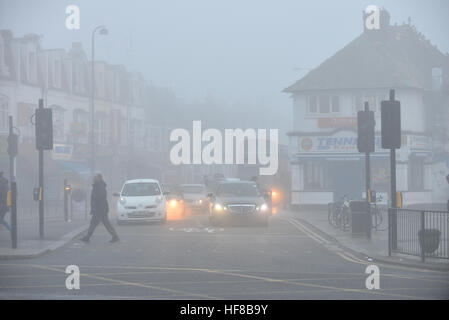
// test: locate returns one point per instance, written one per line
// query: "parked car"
(141, 200)
(238, 200)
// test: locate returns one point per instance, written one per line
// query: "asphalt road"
(189, 259)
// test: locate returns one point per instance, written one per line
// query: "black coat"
(98, 199)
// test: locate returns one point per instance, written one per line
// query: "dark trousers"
(96, 219)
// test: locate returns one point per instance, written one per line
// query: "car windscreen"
(237, 190)
(141, 189)
(192, 189)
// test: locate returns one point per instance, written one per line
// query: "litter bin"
(361, 219)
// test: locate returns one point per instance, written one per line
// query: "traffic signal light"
(44, 129)
(365, 131)
(391, 124)
(13, 141)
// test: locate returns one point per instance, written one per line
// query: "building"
(63, 79)
(324, 159)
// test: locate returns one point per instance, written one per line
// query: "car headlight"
(173, 203)
(122, 201)
(200, 201)
(264, 207)
(158, 200)
(218, 207)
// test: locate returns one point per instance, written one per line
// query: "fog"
(231, 52)
(197, 149)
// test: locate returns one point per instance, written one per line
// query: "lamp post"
(103, 31)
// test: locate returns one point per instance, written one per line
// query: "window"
(335, 104)
(32, 67)
(324, 104)
(80, 126)
(416, 173)
(101, 128)
(58, 123)
(312, 104)
(314, 175)
(359, 103)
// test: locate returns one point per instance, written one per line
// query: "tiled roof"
(397, 56)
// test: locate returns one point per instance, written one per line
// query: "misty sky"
(245, 51)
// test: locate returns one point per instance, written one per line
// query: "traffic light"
(13, 141)
(391, 124)
(44, 129)
(365, 131)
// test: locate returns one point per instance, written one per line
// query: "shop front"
(325, 167)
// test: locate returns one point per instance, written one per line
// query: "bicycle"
(338, 213)
(376, 214)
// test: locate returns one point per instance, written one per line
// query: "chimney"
(375, 19)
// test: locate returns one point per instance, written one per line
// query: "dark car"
(238, 201)
(195, 197)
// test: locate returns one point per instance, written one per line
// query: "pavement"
(190, 259)
(375, 248)
(57, 233)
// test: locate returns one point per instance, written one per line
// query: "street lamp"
(103, 31)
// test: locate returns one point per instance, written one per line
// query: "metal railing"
(422, 233)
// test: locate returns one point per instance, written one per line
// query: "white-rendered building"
(325, 162)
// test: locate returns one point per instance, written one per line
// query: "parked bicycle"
(339, 213)
(376, 213)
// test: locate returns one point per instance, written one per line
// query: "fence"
(422, 233)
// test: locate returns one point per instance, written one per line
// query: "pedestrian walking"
(3, 203)
(99, 209)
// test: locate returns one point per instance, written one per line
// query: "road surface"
(189, 259)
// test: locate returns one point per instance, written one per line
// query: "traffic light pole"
(41, 184)
(394, 226)
(368, 190)
(12, 176)
(368, 182)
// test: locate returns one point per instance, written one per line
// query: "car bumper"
(139, 216)
(241, 217)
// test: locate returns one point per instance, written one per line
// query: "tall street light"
(103, 31)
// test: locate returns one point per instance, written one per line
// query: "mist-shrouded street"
(189, 259)
(228, 151)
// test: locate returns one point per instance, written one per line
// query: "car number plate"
(142, 214)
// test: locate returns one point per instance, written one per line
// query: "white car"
(141, 200)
